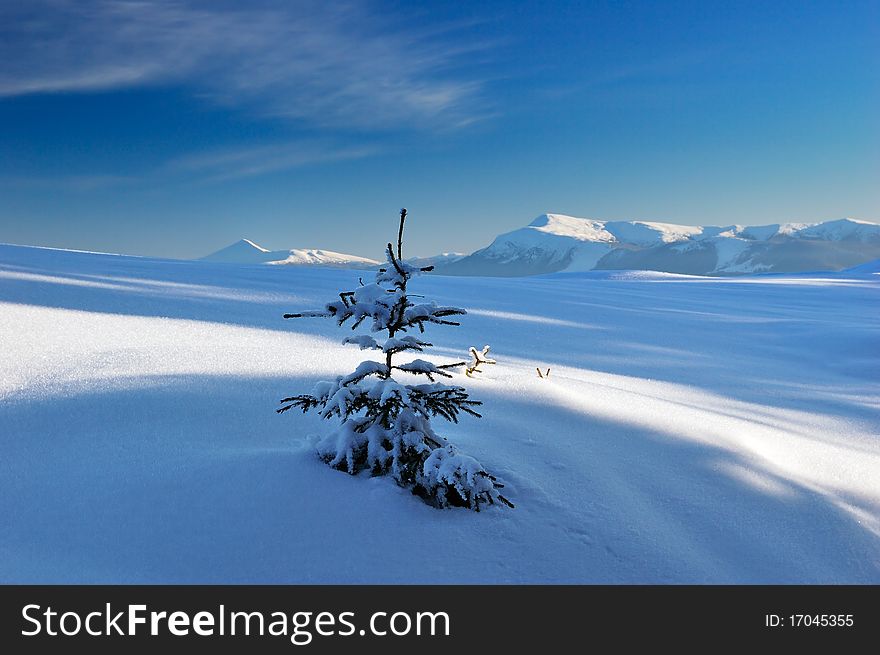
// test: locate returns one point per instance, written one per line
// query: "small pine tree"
(384, 424)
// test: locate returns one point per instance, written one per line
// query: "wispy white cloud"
(610, 79)
(327, 63)
(206, 167)
(229, 164)
(81, 183)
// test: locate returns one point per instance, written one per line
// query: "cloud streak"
(230, 164)
(79, 183)
(208, 167)
(326, 64)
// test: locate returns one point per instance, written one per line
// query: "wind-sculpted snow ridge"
(869, 268)
(693, 429)
(555, 242)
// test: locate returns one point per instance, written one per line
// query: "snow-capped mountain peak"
(243, 251)
(582, 229)
(319, 257)
(248, 242)
(588, 229)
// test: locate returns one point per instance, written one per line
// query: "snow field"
(691, 430)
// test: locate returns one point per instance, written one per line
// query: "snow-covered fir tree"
(385, 424)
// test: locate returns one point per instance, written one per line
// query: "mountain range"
(555, 242)
(558, 243)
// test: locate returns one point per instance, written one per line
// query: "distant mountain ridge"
(556, 242)
(246, 251)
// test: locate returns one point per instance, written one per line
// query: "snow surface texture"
(554, 242)
(692, 430)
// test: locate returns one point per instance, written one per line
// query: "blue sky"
(174, 128)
